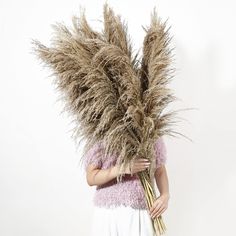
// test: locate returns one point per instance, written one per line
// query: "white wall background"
(43, 192)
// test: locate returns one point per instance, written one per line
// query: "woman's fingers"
(158, 212)
(159, 206)
(141, 160)
(146, 164)
(155, 209)
(140, 166)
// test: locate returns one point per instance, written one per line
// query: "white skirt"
(121, 221)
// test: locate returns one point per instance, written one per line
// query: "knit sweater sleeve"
(93, 156)
(160, 152)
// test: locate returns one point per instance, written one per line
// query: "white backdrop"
(44, 192)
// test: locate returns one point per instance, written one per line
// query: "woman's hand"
(159, 205)
(137, 165)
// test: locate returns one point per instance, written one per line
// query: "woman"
(120, 208)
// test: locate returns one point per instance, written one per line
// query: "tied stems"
(150, 196)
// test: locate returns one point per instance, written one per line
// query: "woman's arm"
(161, 203)
(162, 180)
(97, 176)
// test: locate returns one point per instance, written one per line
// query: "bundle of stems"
(112, 94)
(150, 195)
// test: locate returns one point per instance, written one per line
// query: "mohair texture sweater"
(129, 192)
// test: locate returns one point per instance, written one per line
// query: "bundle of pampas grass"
(111, 94)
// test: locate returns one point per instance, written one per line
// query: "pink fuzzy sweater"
(129, 192)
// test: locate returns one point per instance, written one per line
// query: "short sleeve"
(93, 156)
(160, 152)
